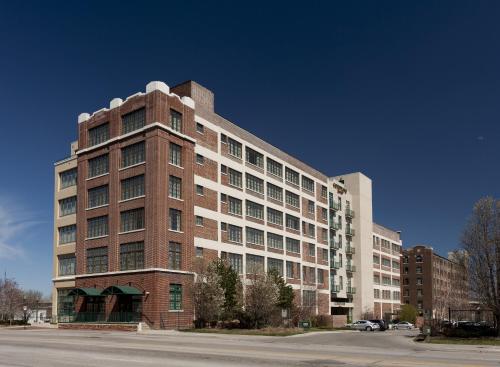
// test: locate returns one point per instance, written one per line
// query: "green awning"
(121, 289)
(90, 292)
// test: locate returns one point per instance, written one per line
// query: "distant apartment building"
(159, 180)
(432, 283)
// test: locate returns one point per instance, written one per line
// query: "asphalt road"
(54, 348)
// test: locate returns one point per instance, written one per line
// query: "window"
(293, 245)
(386, 294)
(199, 221)
(175, 187)
(255, 264)
(275, 265)
(292, 199)
(176, 120)
(312, 250)
(223, 198)
(235, 233)
(235, 178)
(386, 281)
(292, 176)
(255, 210)
(405, 259)
(274, 241)
(98, 166)
(200, 128)
(420, 293)
(235, 261)
(419, 258)
(132, 220)
(290, 270)
(132, 187)
(386, 262)
(133, 120)
(97, 260)
(309, 298)
(255, 183)
(132, 256)
(234, 206)
(199, 251)
(67, 265)
(419, 281)
(175, 155)
(292, 222)
(325, 254)
(321, 278)
(98, 196)
(223, 138)
(396, 282)
(274, 216)
(254, 157)
(396, 295)
(133, 154)
(175, 219)
(67, 206)
(67, 234)
(175, 297)
(174, 255)
(97, 227)
(234, 147)
(274, 168)
(406, 293)
(310, 207)
(98, 134)
(255, 236)
(200, 159)
(308, 184)
(376, 260)
(395, 265)
(200, 190)
(419, 270)
(68, 178)
(376, 293)
(376, 279)
(274, 192)
(324, 192)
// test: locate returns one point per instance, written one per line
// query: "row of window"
(386, 280)
(385, 244)
(396, 295)
(386, 262)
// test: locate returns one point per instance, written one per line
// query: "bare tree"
(481, 241)
(11, 298)
(261, 298)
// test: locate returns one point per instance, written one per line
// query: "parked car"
(404, 325)
(365, 325)
(381, 323)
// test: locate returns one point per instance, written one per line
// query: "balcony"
(351, 290)
(349, 213)
(350, 250)
(335, 288)
(336, 225)
(335, 205)
(335, 265)
(349, 231)
(350, 268)
(335, 245)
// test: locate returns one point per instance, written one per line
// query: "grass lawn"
(259, 332)
(482, 341)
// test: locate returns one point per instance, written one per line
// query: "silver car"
(404, 325)
(365, 325)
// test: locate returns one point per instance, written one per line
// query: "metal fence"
(100, 317)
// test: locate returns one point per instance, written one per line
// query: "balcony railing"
(335, 288)
(351, 290)
(349, 231)
(349, 213)
(336, 225)
(335, 245)
(350, 250)
(335, 264)
(335, 205)
(100, 317)
(350, 268)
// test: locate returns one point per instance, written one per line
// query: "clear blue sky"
(406, 92)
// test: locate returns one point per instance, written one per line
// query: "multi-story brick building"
(432, 283)
(160, 179)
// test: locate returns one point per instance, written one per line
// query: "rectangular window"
(292, 222)
(386, 262)
(67, 234)
(175, 187)
(324, 214)
(386, 281)
(274, 241)
(274, 216)
(175, 219)
(175, 155)
(98, 166)
(376, 260)
(235, 178)
(289, 270)
(292, 199)
(67, 264)
(325, 254)
(255, 210)
(176, 120)
(292, 176)
(255, 184)
(312, 250)
(200, 128)
(307, 184)
(67, 178)
(200, 190)
(133, 120)
(255, 236)
(98, 196)
(97, 227)
(274, 168)
(324, 192)
(321, 278)
(234, 233)
(324, 234)
(97, 260)
(310, 207)
(396, 282)
(235, 261)
(98, 134)
(255, 158)
(174, 255)
(132, 256)
(223, 198)
(200, 159)
(255, 264)
(199, 251)
(133, 154)
(234, 206)
(132, 187)
(275, 265)
(234, 147)
(376, 293)
(132, 220)
(175, 297)
(309, 298)
(199, 221)
(274, 192)
(376, 279)
(311, 232)
(293, 245)
(67, 206)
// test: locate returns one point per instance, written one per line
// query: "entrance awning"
(121, 289)
(90, 292)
